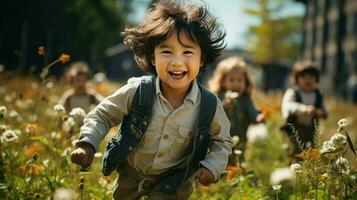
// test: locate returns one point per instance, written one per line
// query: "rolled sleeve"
(220, 146)
(110, 112)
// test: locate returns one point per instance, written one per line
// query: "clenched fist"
(83, 155)
(204, 176)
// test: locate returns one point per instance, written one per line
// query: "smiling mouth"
(177, 74)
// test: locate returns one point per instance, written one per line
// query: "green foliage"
(276, 37)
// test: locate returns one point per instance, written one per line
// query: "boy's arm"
(290, 106)
(110, 112)
(220, 146)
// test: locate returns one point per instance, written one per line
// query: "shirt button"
(166, 136)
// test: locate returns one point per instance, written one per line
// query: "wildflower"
(343, 165)
(64, 58)
(77, 112)
(231, 95)
(64, 194)
(342, 123)
(8, 136)
(296, 168)
(33, 128)
(232, 171)
(59, 109)
(68, 124)
(257, 132)
(98, 155)
(328, 148)
(276, 187)
(41, 50)
(13, 114)
(339, 141)
(281, 175)
(33, 149)
(238, 152)
(353, 177)
(3, 111)
(235, 140)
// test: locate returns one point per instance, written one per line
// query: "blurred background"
(270, 35)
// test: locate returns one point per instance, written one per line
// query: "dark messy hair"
(168, 16)
(305, 67)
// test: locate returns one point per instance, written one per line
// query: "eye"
(166, 52)
(188, 52)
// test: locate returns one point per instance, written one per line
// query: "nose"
(177, 61)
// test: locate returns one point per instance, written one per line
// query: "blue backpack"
(136, 122)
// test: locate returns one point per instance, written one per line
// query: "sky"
(229, 13)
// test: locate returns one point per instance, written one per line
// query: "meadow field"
(37, 137)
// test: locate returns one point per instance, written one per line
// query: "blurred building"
(330, 39)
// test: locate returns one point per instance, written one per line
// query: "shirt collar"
(191, 97)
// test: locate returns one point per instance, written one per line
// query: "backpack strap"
(319, 98)
(298, 97)
(208, 106)
(132, 127)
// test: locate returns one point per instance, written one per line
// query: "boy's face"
(234, 81)
(306, 82)
(177, 64)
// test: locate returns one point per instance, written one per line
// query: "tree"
(276, 37)
(82, 28)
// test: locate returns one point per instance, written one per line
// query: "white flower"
(64, 194)
(235, 140)
(59, 109)
(342, 123)
(231, 95)
(13, 114)
(77, 112)
(238, 152)
(343, 165)
(296, 168)
(339, 141)
(68, 124)
(8, 136)
(276, 187)
(3, 110)
(98, 155)
(281, 175)
(328, 147)
(353, 177)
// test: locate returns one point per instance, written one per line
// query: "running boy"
(302, 107)
(174, 43)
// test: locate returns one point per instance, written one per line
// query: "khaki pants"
(129, 182)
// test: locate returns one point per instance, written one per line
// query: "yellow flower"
(64, 58)
(41, 50)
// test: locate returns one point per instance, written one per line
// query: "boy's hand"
(311, 110)
(83, 155)
(204, 176)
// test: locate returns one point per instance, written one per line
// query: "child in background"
(233, 85)
(159, 151)
(302, 107)
(79, 95)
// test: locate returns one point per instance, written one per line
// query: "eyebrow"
(168, 46)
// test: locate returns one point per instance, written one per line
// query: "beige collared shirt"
(169, 134)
